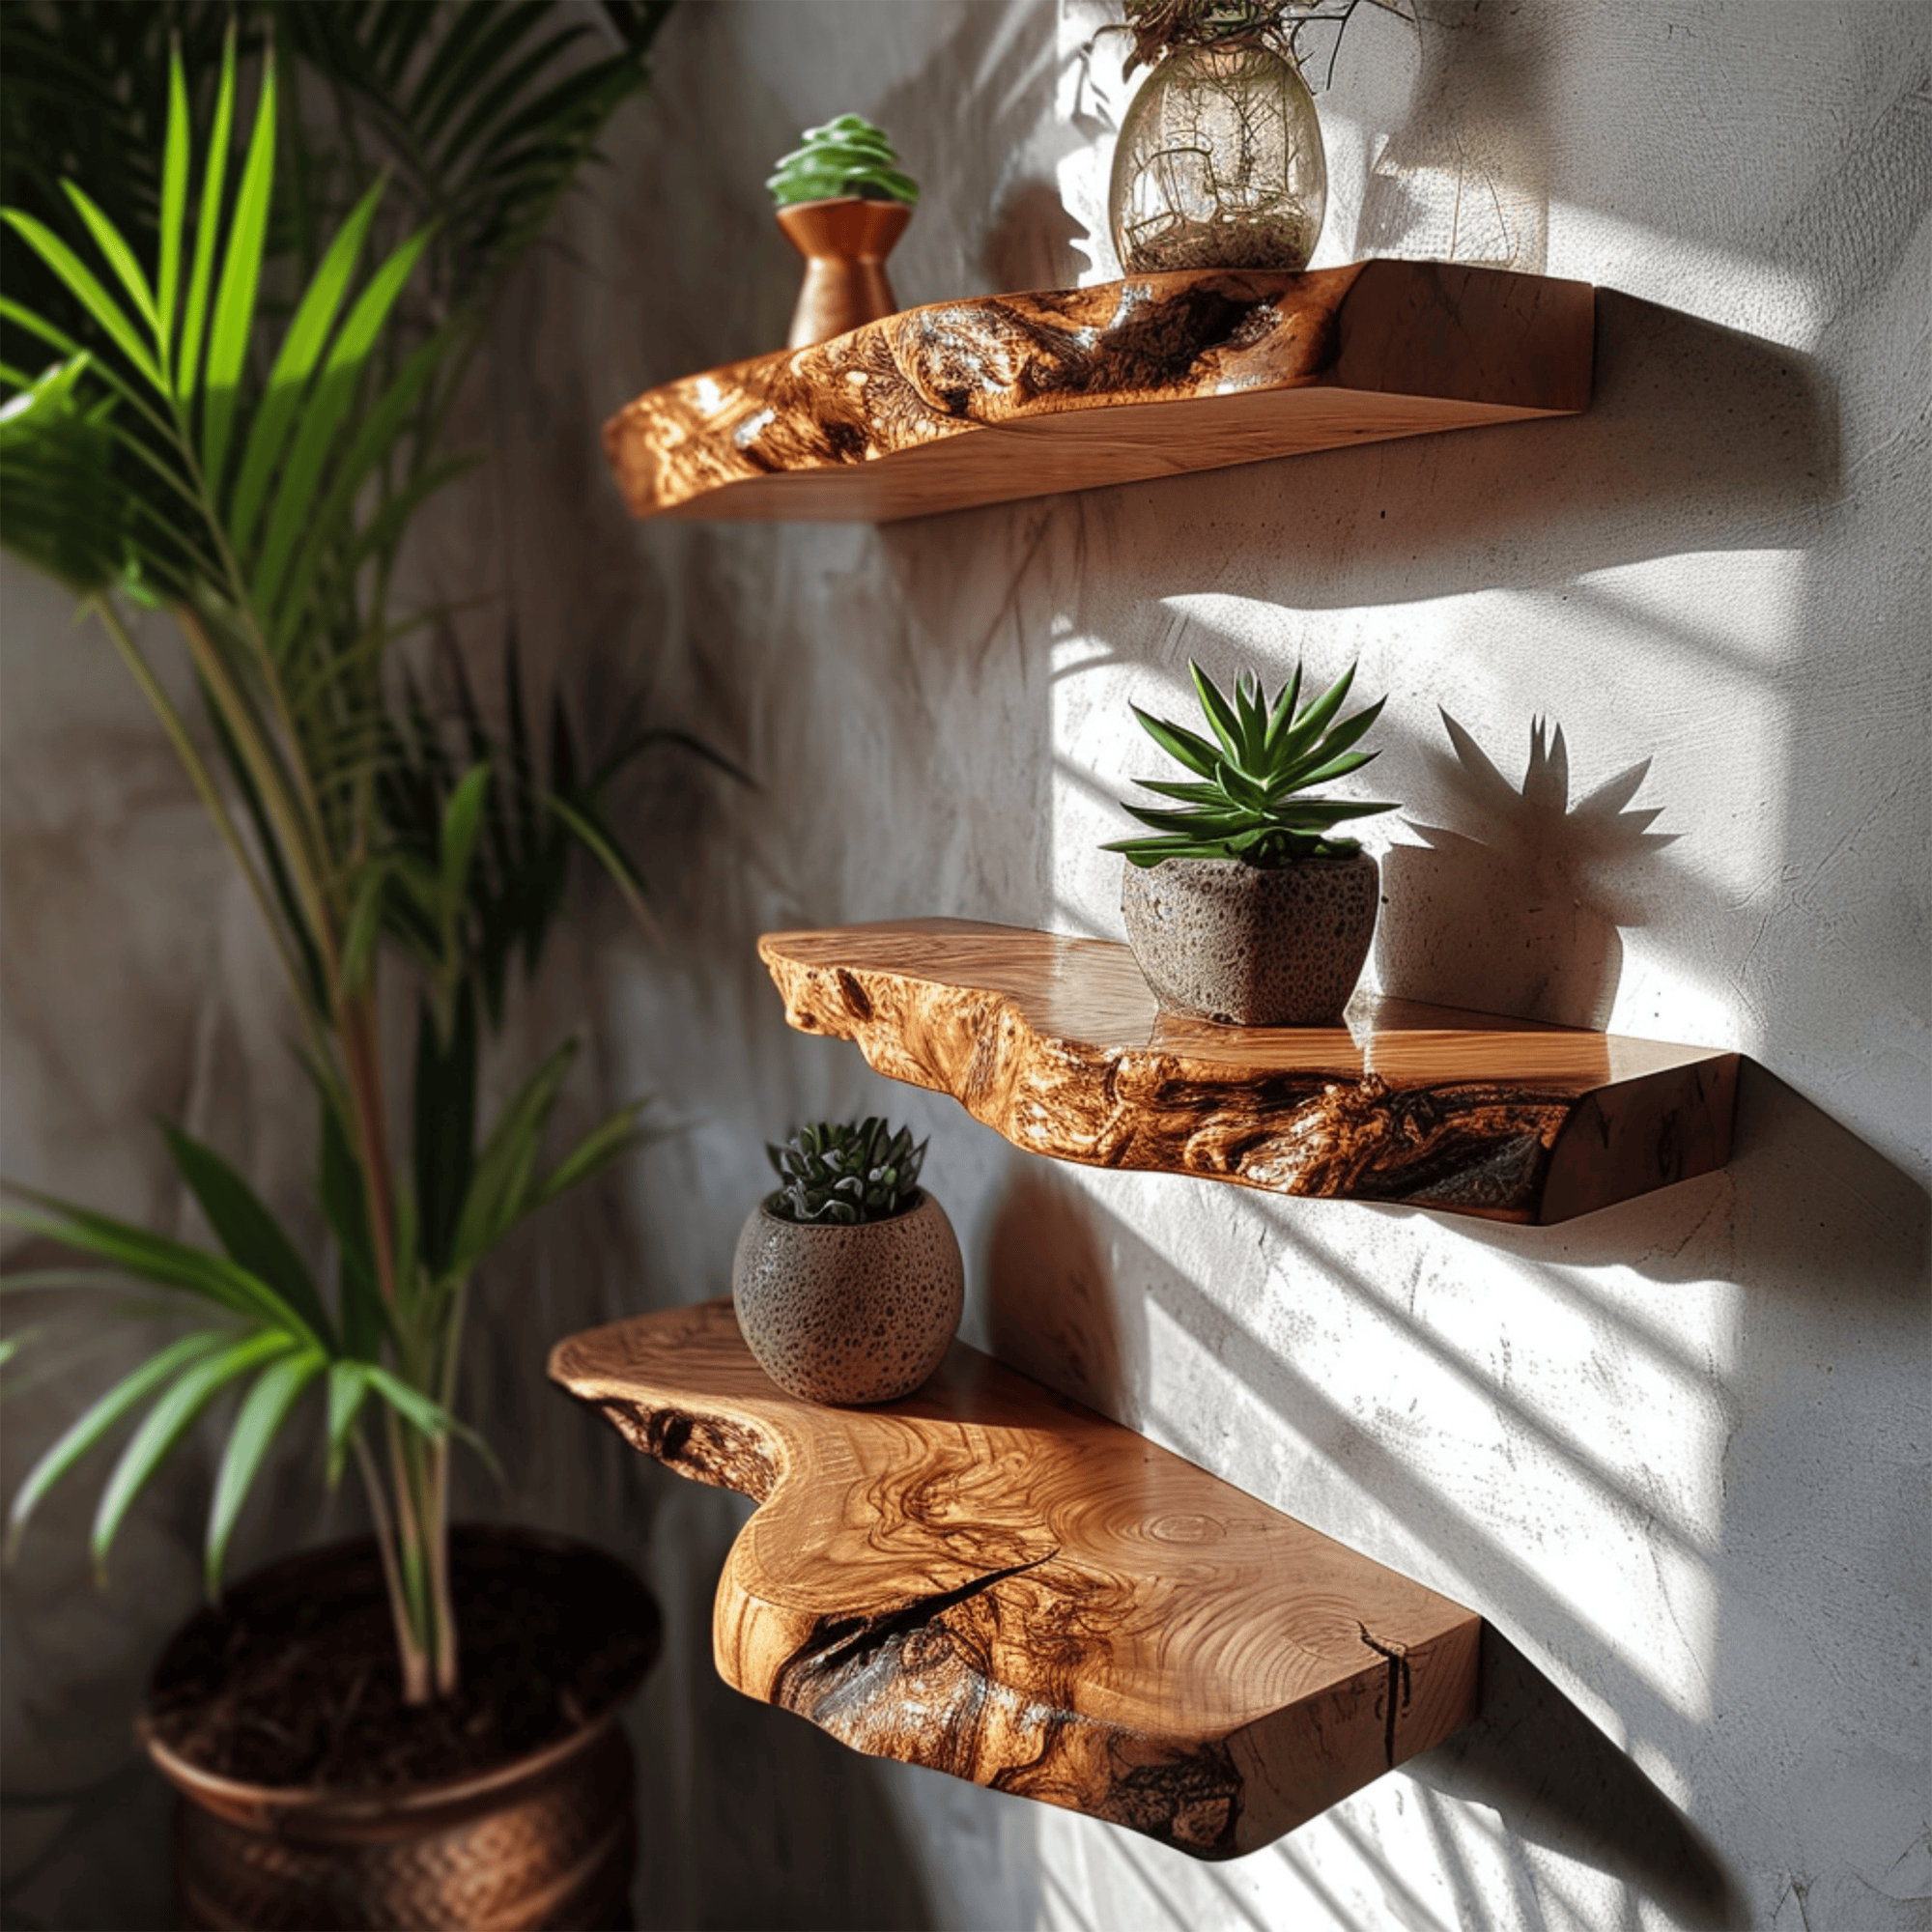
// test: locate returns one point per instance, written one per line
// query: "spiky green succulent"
(1249, 798)
(846, 1173)
(847, 155)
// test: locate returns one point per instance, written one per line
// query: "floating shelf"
(990, 1580)
(1058, 1045)
(998, 397)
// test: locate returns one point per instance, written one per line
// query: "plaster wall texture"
(1674, 1453)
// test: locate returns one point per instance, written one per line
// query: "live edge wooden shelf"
(992, 398)
(988, 1580)
(1058, 1045)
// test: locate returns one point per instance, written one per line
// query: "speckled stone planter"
(849, 1315)
(1222, 941)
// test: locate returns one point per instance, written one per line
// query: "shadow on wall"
(1553, 1778)
(749, 1817)
(1464, 179)
(1538, 1762)
(1693, 431)
(1807, 1207)
(1513, 904)
(971, 134)
(1830, 1238)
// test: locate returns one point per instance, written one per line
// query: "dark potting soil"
(293, 1679)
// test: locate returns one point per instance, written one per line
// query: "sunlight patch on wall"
(1545, 1443)
(1697, 276)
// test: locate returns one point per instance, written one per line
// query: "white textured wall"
(1675, 1452)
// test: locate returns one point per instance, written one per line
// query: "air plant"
(1156, 27)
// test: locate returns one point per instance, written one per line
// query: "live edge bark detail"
(991, 1580)
(1056, 1044)
(988, 398)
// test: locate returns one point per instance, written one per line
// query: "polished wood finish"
(998, 397)
(1058, 1044)
(990, 1580)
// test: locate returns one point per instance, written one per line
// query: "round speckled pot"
(849, 1315)
(1223, 941)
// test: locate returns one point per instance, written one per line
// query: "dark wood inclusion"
(988, 1580)
(1058, 1045)
(989, 398)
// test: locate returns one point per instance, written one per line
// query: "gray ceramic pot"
(1222, 941)
(849, 1315)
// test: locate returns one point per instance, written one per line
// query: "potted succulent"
(847, 1279)
(1219, 162)
(1244, 906)
(842, 202)
(250, 466)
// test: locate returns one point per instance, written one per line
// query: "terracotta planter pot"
(1218, 940)
(849, 1315)
(844, 240)
(548, 1838)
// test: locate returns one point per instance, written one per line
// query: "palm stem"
(362, 1067)
(409, 1651)
(447, 1673)
(203, 780)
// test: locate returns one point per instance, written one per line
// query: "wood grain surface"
(997, 397)
(1058, 1044)
(991, 1580)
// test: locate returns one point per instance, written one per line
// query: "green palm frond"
(256, 335)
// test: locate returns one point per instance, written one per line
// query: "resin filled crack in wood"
(991, 1580)
(1058, 1045)
(994, 397)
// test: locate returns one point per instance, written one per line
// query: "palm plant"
(252, 467)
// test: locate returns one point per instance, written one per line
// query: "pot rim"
(858, 228)
(1261, 871)
(230, 1796)
(842, 200)
(921, 1199)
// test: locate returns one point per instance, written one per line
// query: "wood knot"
(857, 1001)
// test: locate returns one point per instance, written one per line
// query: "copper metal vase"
(546, 1840)
(844, 240)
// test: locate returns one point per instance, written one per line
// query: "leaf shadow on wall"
(975, 129)
(1513, 903)
(1464, 178)
(1067, 1286)
(1537, 1760)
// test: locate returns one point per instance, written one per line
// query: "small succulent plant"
(1248, 800)
(846, 1173)
(848, 155)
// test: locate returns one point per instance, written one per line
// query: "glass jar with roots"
(1219, 163)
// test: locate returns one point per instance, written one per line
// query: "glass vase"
(1219, 164)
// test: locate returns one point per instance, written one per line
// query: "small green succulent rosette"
(846, 156)
(846, 1173)
(1249, 797)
